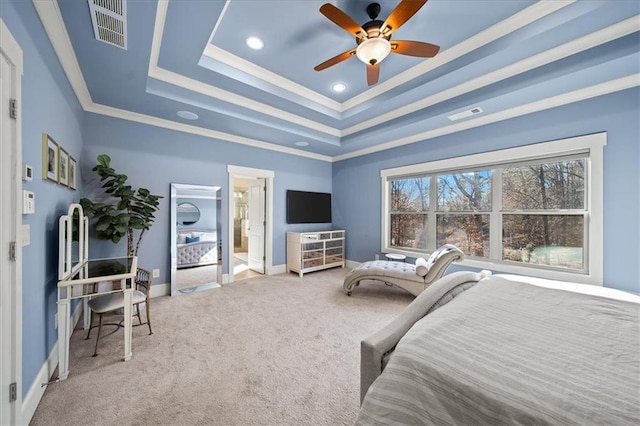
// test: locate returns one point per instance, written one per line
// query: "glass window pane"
(557, 185)
(410, 195)
(409, 230)
(552, 240)
(468, 232)
(469, 191)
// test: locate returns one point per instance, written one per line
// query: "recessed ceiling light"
(302, 143)
(339, 87)
(255, 43)
(187, 115)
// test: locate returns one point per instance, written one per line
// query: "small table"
(396, 257)
(81, 283)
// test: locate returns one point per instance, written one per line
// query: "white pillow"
(422, 267)
(434, 256)
(182, 238)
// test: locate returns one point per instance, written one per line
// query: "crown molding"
(596, 90)
(51, 18)
(509, 25)
(184, 82)
(519, 20)
(176, 79)
(588, 41)
(195, 130)
(217, 54)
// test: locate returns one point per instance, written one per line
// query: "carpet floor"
(275, 350)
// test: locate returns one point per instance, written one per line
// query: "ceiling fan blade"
(335, 60)
(373, 73)
(342, 20)
(401, 14)
(414, 48)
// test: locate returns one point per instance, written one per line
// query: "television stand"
(314, 251)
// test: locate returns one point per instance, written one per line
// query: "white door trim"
(247, 172)
(11, 293)
(257, 213)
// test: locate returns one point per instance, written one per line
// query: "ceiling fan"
(374, 37)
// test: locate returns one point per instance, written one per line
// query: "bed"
(476, 348)
(196, 247)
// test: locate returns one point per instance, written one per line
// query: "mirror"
(195, 244)
(188, 214)
(73, 240)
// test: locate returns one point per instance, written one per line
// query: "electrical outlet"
(156, 273)
(55, 321)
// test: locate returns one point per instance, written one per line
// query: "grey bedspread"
(511, 353)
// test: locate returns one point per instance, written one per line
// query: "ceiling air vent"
(109, 18)
(465, 114)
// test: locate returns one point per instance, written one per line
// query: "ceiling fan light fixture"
(373, 50)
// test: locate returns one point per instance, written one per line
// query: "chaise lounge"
(412, 277)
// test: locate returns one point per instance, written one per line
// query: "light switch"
(26, 234)
(28, 202)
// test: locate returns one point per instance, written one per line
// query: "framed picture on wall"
(72, 173)
(63, 174)
(50, 153)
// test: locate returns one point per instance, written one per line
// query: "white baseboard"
(33, 397)
(352, 264)
(278, 269)
(158, 290)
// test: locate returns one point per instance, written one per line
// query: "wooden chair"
(110, 303)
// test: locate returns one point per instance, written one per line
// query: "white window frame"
(591, 145)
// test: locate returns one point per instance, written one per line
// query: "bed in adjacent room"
(482, 349)
(196, 247)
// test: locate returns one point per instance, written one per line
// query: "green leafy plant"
(127, 211)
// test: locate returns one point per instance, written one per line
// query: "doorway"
(250, 224)
(11, 222)
(248, 227)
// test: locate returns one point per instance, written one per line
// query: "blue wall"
(50, 106)
(154, 158)
(357, 185)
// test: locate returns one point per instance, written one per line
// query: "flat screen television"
(308, 207)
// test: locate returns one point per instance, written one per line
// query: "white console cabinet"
(313, 251)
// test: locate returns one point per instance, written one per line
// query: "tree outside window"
(409, 208)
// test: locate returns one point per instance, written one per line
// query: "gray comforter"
(505, 352)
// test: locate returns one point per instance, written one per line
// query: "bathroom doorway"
(248, 227)
(250, 224)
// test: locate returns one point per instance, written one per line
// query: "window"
(409, 212)
(534, 210)
(544, 210)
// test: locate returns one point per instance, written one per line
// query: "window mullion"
(495, 220)
(386, 214)
(431, 217)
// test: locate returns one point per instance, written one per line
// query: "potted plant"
(126, 212)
